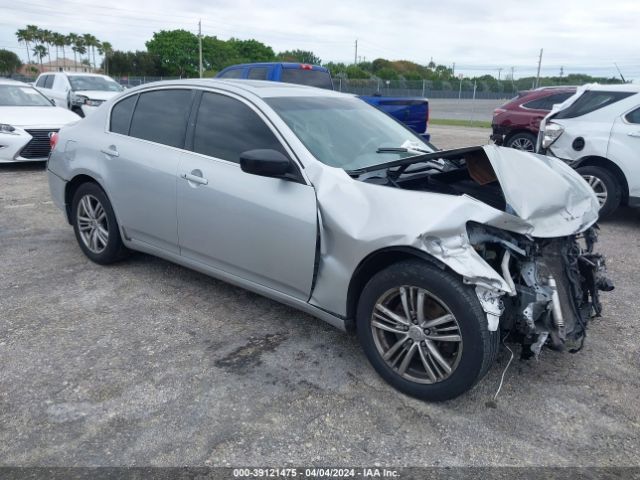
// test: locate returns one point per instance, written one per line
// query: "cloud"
(478, 36)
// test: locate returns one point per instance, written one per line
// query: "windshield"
(347, 132)
(22, 96)
(83, 82)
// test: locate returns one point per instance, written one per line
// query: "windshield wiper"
(448, 155)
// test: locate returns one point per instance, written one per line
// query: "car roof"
(626, 87)
(259, 88)
(270, 64)
(8, 81)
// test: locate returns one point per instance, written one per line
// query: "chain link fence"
(419, 88)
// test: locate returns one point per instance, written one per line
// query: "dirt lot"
(148, 363)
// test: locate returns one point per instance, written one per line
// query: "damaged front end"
(554, 286)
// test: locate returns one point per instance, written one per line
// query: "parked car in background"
(27, 120)
(516, 123)
(80, 92)
(597, 131)
(318, 200)
(413, 112)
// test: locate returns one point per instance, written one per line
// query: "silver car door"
(143, 150)
(624, 147)
(260, 229)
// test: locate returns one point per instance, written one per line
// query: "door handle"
(112, 151)
(194, 178)
(634, 134)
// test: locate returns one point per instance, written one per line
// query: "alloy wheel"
(599, 188)
(92, 224)
(416, 334)
(523, 143)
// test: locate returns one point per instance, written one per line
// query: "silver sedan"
(322, 202)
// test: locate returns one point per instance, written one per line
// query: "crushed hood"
(97, 94)
(543, 191)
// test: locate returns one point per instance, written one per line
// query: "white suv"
(80, 92)
(597, 131)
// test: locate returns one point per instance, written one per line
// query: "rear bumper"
(498, 134)
(57, 187)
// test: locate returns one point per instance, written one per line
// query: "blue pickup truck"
(413, 112)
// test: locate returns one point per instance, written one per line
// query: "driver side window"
(226, 127)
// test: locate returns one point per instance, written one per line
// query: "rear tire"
(95, 225)
(522, 141)
(606, 187)
(447, 302)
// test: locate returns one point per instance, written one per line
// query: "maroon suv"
(516, 123)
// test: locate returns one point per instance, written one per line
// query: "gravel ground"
(148, 363)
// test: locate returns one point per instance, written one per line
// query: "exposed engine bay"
(553, 283)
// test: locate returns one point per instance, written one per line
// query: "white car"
(79, 92)
(597, 131)
(27, 120)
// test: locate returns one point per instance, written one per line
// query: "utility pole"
(355, 57)
(538, 74)
(200, 44)
(453, 69)
(499, 72)
(513, 83)
(561, 71)
(623, 80)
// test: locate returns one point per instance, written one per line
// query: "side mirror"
(267, 163)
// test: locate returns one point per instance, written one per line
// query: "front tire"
(95, 225)
(424, 331)
(522, 141)
(605, 186)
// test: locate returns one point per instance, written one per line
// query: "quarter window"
(259, 73)
(633, 117)
(48, 81)
(161, 116)
(121, 115)
(235, 73)
(41, 81)
(226, 127)
(548, 102)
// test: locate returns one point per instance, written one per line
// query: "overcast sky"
(585, 36)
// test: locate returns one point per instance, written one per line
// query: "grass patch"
(460, 123)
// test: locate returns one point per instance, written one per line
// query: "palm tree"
(89, 41)
(107, 49)
(79, 47)
(24, 36)
(40, 51)
(46, 37)
(72, 40)
(60, 41)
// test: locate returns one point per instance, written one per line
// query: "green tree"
(39, 52)
(9, 62)
(25, 36)
(247, 51)
(177, 51)
(105, 49)
(302, 56)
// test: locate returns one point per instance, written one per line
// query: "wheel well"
(516, 132)
(72, 187)
(610, 167)
(376, 262)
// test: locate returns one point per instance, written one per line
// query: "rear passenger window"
(161, 116)
(591, 101)
(258, 73)
(547, 103)
(121, 115)
(633, 117)
(226, 127)
(235, 73)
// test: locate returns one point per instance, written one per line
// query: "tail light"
(498, 111)
(53, 140)
(306, 66)
(551, 133)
